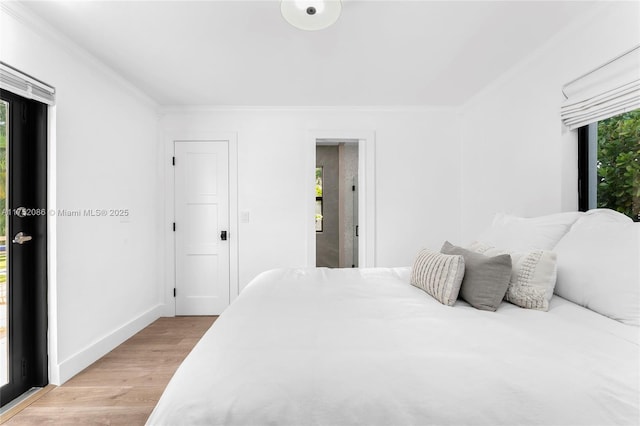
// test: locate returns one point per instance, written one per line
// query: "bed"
(324, 346)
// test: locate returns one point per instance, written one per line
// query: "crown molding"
(22, 14)
(168, 109)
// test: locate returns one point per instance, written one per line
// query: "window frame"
(585, 195)
(588, 174)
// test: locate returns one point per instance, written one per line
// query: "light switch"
(244, 216)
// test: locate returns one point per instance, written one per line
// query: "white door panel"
(201, 228)
(201, 214)
(202, 177)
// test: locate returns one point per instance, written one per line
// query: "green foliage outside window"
(619, 164)
(318, 181)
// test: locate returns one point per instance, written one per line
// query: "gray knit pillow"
(533, 276)
(438, 274)
(486, 279)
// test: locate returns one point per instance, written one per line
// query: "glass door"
(4, 314)
(355, 222)
(23, 245)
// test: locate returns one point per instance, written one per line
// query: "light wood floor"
(122, 387)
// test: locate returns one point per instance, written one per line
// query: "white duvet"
(363, 347)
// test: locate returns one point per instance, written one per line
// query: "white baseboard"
(87, 356)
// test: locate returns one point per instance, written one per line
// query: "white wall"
(417, 178)
(104, 275)
(517, 156)
(106, 280)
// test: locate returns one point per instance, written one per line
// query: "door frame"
(366, 194)
(169, 216)
(52, 240)
(37, 300)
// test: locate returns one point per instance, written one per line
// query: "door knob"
(21, 238)
(223, 235)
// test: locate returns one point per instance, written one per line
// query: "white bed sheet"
(363, 347)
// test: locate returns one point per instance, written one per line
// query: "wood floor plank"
(107, 396)
(152, 376)
(85, 416)
(122, 387)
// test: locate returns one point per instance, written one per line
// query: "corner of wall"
(500, 90)
(521, 65)
(28, 18)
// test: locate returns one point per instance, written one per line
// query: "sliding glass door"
(23, 245)
(4, 311)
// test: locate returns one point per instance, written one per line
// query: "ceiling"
(240, 53)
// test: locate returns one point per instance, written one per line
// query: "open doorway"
(336, 212)
(365, 192)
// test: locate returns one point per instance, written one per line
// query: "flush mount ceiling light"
(311, 15)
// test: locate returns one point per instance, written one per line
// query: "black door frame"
(27, 264)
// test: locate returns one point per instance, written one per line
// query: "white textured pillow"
(438, 274)
(525, 234)
(598, 265)
(533, 276)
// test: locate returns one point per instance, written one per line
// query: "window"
(609, 164)
(318, 199)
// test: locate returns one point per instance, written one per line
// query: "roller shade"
(26, 86)
(611, 89)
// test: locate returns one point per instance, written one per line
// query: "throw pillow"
(486, 278)
(533, 276)
(439, 275)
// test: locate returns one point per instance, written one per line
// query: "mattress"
(364, 347)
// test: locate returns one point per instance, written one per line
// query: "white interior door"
(201, 227)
